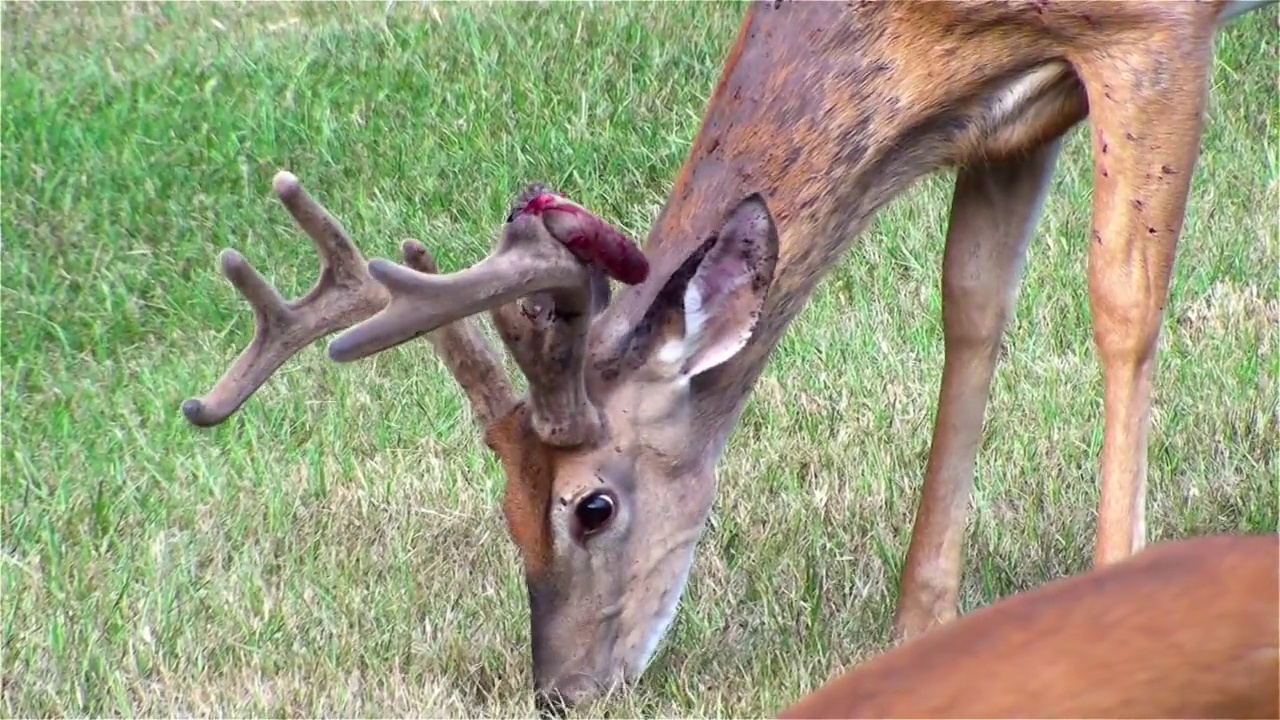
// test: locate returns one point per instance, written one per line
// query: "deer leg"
(1147, 108)
(993, 213)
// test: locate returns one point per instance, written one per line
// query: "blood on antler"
(551, 252)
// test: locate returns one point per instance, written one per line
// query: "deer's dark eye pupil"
(594, 511)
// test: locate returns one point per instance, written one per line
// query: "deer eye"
(594, 512)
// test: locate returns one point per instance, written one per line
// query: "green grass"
(336, 548)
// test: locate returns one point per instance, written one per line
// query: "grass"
(336, 548)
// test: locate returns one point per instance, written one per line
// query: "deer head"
(609, 482)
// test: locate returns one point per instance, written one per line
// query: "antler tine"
(467, 354)
(343, 295)
(537, 252)
(526, 261)
(520, 265)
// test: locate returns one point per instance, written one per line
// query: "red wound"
(591, 239)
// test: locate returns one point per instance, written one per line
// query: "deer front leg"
(993, 213)
(1147, 104)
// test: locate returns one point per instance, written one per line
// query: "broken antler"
(344, 294)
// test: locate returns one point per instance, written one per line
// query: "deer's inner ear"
(723, 300)
(663, 323)
(708, 309)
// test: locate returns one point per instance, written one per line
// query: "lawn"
(336, 547)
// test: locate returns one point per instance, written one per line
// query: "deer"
(824, 113)
(1182, 629)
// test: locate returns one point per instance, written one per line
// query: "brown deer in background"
(824, 113)
(1183, 629)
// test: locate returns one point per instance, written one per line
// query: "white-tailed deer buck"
(825, 112)
(1183, 629)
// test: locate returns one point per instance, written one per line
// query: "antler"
(540, 252)
(345, 294)
(465, 351)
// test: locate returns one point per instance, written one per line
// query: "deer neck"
(830, 110)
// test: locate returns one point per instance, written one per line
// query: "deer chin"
(661, 623)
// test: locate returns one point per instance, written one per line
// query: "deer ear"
(722, 301)
(712, 303)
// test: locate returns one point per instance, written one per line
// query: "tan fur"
(1185, 629)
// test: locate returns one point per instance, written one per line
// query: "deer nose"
(554, 700)
(550, 705)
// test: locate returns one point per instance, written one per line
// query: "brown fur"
(1185, 629)
(524, 505)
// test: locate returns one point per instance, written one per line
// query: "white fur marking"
(695, 310)
(696, 316)
(720, 352)
(1013, 98)
(663, 621)
(673, 351)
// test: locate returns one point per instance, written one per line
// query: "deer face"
(608, 528)
(607, 537)
(608, 481)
